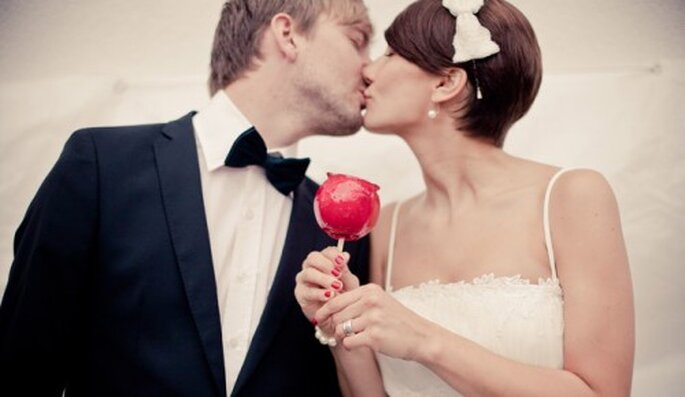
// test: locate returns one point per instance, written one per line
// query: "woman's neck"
(457, 170)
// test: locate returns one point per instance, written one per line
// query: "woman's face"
(398, 95)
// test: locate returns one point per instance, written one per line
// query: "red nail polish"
(314, 322)
(335, 272)
(327, 294)
(336, 284)
(339, 260)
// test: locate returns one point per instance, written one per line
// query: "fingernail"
(335, 272)
(327, 294)
(336, 284)
(339, 260)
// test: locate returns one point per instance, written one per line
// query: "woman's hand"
(323, 276)
(378, 321)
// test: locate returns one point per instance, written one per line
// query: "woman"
(505, 276)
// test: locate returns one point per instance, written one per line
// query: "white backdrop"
(62, 69)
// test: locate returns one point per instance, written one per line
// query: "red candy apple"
(346, 207)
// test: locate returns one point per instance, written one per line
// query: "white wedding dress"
(510, 316)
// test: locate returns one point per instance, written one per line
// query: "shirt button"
(249, 214)
(233, 343)
(242, 276)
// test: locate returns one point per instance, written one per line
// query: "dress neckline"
(486, 279)
(547, 242)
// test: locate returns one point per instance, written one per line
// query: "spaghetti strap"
(391, 246)
(545, 219)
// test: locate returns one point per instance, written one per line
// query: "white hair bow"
(472, 40)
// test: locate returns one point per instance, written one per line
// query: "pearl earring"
(479, 94)
(432, 114)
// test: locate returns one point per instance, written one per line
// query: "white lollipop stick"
(341, 243)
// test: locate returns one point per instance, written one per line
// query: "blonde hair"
(238, 33)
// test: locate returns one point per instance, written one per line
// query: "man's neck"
(265, 105)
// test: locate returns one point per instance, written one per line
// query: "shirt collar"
(218, 125)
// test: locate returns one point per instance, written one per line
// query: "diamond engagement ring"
(347, 328)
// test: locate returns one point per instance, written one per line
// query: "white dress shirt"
(247, 220)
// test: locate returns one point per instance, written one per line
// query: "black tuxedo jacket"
(112, 289)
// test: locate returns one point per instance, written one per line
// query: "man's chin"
(349, 126)
(350, 130)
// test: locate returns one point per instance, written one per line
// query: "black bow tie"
(249, 149)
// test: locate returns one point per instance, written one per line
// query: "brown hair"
(238, 34)
(509, 80)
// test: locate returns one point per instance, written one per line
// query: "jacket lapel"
(300, 240)
(177, 165)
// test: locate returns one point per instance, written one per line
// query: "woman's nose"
(367, 81)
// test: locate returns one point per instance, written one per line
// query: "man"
(151, 263)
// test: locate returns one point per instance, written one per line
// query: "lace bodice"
(510, 316)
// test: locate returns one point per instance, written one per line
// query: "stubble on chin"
(334, 118)
(326, 112)
(343, 125)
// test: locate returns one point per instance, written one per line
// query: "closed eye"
(358, 38)
(358, 43)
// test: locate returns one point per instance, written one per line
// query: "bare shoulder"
(585, 223)
(582, 190)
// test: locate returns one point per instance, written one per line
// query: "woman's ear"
(285, 37)
(449, 85)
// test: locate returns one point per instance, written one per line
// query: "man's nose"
(367, 59)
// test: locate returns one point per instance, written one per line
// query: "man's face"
(329, 81)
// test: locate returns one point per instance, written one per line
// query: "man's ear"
(282, 29)
(449, 85)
